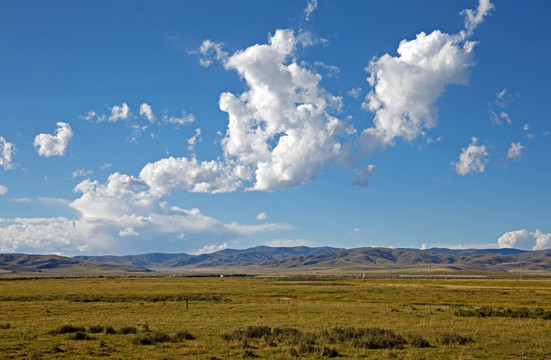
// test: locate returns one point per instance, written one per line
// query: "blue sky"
(131, 127)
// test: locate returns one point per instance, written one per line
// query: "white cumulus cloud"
(522, 239)
(473, 158)
(121, 112)
(129, 231)
(211, 51)
(262, 216)
(120, 216)
(280, 128)
(147, 112)
(207, 249)
(515, 151)
(54, 145)
(6, 152)
(406, 87)
(3, 189)
(189, 174)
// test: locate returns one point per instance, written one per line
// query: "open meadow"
(274, 318)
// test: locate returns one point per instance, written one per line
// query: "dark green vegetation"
(488, 311)
(275, 318)
(292, 260)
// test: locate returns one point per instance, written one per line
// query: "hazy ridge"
(287, 259)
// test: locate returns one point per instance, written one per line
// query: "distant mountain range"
(54, 264)
(286, 259)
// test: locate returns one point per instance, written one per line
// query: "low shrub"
(183, 335)
(80, 335)
(96, 329)
(257, 332)
(546, 315)
(109, 330)
(375, 338)
(329, 352)
(5, 326)
(67, 329)
(455, 339)
(151, 338)
(418, 341)
(249, 354)
(125, 330)
(520, 313)
(56, 349)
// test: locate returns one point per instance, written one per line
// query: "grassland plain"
(229, 318)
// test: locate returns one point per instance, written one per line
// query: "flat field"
(234, 318)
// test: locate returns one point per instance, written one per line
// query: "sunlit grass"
(207, 309)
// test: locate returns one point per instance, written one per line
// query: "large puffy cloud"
(54, 145)
(122, 194)
(405, 87)
(189, 174)
(3, 189)
(522, 239)
(473, 158)
(6, 152)
(280, 127)
(123, 215)
(41, 234)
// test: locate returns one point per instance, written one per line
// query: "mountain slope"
(292, 259)
(22, 263)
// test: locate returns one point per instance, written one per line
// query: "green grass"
(234, 318)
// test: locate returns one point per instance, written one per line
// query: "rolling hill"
(372, 258)
(288, 259)
(54, 264)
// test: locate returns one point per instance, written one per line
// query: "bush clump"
(307, 344)
(375, 338)
(151, 338)
(519, 313)
(109, 330)
(418, 341)
(125, 330)
(5, 326)
(96, 329)
(455, 339)
(80, 335)
(183, 335)
(67, 329)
